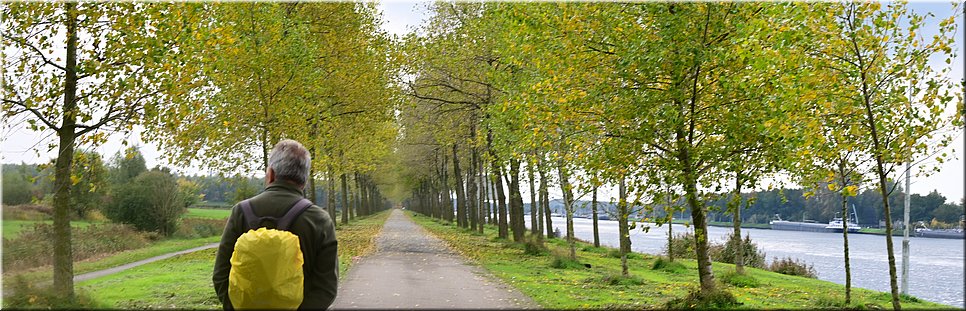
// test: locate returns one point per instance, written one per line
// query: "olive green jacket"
(316, 233)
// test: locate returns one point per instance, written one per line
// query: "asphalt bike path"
(411, 269)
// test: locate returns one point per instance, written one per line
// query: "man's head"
(289, 161)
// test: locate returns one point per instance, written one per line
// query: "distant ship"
(924, 232)
(836, 225)
(779, 224)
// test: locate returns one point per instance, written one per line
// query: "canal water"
(935, 271)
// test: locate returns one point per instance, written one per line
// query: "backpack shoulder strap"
(294, 212)
(250, 219)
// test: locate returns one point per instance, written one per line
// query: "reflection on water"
(935, 273)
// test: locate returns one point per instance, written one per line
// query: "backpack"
(266, 265)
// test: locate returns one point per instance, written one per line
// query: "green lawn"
(180, 282)
(184, 282)
(209, 213)
(43, 274)
(11, 228)
(600, 285)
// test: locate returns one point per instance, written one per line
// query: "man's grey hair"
(290, 161)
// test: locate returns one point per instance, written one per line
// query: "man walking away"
(279, 207)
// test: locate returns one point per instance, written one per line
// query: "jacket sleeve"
(219, 276)
(322, 284)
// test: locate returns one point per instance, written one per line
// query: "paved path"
(413, 269)
(100, 273)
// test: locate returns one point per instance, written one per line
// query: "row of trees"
(673, 102)
(212, 84)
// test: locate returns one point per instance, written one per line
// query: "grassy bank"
(12, 228)
(577, 286)
(208, 213)
(45, 274)
(184, 282)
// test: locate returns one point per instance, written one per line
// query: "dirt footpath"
(412, 269)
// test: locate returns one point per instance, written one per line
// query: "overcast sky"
(21, 145)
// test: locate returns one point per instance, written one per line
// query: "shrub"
(717, 299)
(791, 266)
(33, 247)
(618, 279)
(561, 260)
(666, 265)
(191, 228)
(739, 280)
(753, 256)
(151, 203)
(616, 253)
(533, 246)
(683, 247)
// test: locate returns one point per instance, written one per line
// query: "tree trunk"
(534, 229)
(593, 209)
(883, 190)
(705, 274)
(460, 196)
(481, 191)
(545, 199)
(622, 226)
(845, 235)
(446, 210)
(670, 224)
(345, 200)
(497, 178)
(471, 209)
(63, 254)
(568, 206)
(735, 205)
(330, 194)
(516, 202)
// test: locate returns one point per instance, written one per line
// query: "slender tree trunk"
(705, 274)
(447, 208)
(736, 225)
(568, 206)
(593, 208)
(497, 177)
(345, 200)
(845, 235)
(883, 190)
(310, 188)
(330, 194)
(461, 220)
(63, 254)
(534, 229)
(670, 224)
(623, 228)
(481, 182)
(356, 199)
(471, 199)
(545, 199)
(516, 202)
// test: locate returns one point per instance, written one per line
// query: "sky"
(21, 145)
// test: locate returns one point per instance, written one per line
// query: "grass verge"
(653, 283)
(12, 228)
(184, 281)
(43, 274)
(208, 213)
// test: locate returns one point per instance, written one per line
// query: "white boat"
(836, 225)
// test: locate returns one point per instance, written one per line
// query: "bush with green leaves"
(683, 247)
(790, 266)
(152, 202)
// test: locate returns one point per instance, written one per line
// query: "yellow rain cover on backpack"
(266, 271)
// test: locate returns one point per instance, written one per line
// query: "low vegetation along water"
(935, 273)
